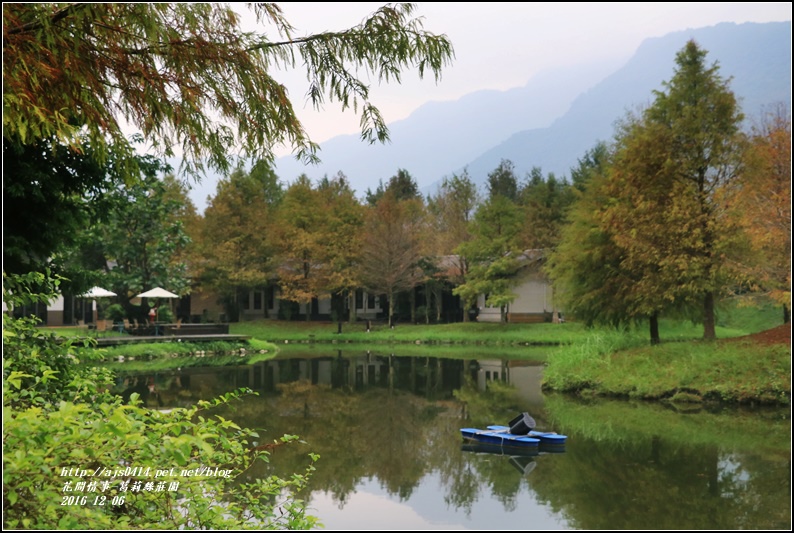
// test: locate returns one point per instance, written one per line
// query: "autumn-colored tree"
(236, 249)
(648, 215)
(619, 259)
(762, 202)
(672, 162)
(391, 249)
(302, 266)
(703, 119)
(76, 76)
(186, 75)
(343, 233)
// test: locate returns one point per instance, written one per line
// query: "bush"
(75, 457)
(98, 442)
(287, 309)
(115, 312)
(164, 314)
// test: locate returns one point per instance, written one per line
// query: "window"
(359, 299)
(258, 300)
(270, 297)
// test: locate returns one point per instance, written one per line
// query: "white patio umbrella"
(94, 293)
(98, 292)
(158, 292)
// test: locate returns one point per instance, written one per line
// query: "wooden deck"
(148, 339)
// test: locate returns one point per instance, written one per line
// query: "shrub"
(115, 312)
(164, 314)
(76, 457)
(47, 453)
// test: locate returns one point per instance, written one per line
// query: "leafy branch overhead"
(188, 77)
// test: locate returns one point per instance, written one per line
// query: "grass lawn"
(601, 361)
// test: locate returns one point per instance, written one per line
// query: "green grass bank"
(736, 368)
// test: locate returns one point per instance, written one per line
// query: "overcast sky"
(501, 45)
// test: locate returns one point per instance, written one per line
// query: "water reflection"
(387, 430)
(430, 377)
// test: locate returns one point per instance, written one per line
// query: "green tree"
(545, 201)
(143, 242)
(402, 185)
(697, 114)
(503, 181)
(50, 195)
(493, 254)
(593, 161)
(452, 209)
(590, 282)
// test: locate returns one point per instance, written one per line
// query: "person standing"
(152, 315)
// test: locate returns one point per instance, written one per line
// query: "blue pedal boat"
(519, 433)
(545, 437)
(500, 437)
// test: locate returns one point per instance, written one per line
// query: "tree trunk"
(786, 314)
(709, 333)
(654, 324)
(428, 301)
(391, 307)
(351, 305)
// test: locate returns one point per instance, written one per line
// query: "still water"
(386, 428)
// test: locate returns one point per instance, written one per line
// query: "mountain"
(756, 56)
(553, 120)
(440, 136)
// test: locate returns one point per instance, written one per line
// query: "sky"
(502, 45)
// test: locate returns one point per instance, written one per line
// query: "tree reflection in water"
(387, 431)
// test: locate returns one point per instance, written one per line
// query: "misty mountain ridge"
(756, 56)
(550, 122)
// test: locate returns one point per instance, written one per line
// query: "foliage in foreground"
(187, 476)
(75, 456)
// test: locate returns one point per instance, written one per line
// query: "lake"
(387, 429)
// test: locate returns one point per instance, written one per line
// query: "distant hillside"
(756, 56)
(554, 119)
(440, 136)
